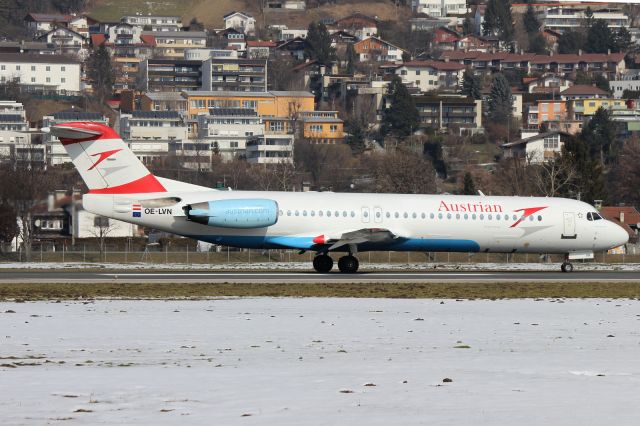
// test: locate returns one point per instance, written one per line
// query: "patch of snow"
(312, 361)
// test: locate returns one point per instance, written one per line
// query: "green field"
(443, 290)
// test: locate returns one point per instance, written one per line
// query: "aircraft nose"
(617, 235)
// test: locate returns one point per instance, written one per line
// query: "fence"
(226, 255)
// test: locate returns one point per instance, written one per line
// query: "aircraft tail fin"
(104, 161)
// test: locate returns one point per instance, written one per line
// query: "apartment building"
(151, 133)
(154, 23)
(322, 127)
(440, 8)
(245, 75)
(13, 129)
(228, 130)
(173, 44)
(171, 75)
(431, 75)
(163, 101)
(440, 112)
(360, 25)
(272, 103)
(41, 73)
(562, 18)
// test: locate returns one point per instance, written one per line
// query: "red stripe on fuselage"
(149, 183)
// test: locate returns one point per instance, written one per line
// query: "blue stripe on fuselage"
(306, 243)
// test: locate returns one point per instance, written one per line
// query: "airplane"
(122, 188)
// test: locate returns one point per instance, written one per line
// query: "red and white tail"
(104, 161)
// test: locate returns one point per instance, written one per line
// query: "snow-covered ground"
(321, 362)
(297, 266)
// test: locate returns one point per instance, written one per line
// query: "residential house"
(440, 8)
(204, 54)
(231, 39)
(445, 39)
(56, 153)
(582, 108)
(431, 75)
(14, 128)
(66, 42)
(322, 127)
(257, 49)
(479, 43)
(545, 111)
(374, 49)
(583, 91)
(449, 112)
(169, 75)
(172, 44)
(154, 23)
(547, 83)
(276, 145)
(358, 24)
(241, 21)
(51, 74)
(537, 148)
(551, 37)
(294, 48)
(40, 23)
(630, 82)
(427, 23)
(626, 216)
(275, 5)
(291, 33)
(249, 75)
(163, 101)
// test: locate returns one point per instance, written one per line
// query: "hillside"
(210, 12)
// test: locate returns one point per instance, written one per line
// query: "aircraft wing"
(365, 235)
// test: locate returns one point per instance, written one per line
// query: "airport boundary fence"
(118, 254)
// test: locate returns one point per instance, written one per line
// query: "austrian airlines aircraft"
(121, 187)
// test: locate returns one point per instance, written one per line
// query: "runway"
(292, 277)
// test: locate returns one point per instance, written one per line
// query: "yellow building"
(588, 107)
(273, 103)
(323, 127)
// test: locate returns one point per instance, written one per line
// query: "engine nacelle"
(240, 213)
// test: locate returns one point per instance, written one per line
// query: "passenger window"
(378, 214)
(288, 212)
(328, 213)
(424, 216)
(337, 213)
(466, 216)
(297, 213)
(530, 218)
(344, 213)
(313, 213)
(353, 214)
(497, 217)
(432, 216)
(448, 215)
(473, 216)
(515, 217)
(388, 215)
(397, 215)
(304, 212)
(366, 213)
(320, 213)
(406, 215)
(415, 216)
(439, 215)
(481, 217)
(539, 218)
(489, 217)
(458, 216)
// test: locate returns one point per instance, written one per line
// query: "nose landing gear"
(566, 267)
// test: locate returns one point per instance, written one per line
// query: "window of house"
(101, 222)
(333, 128)
(33, 67)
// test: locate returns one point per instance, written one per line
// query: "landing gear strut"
(322, 263)
(566, 267)
(348, 264)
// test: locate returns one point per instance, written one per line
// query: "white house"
(13, 128)
(154, 22)
(270, 149)
(67, 42)
(229, 129)
(537, 147)
(241, 21)
(291, 33)
(41, 73)
(440, 8)
(431, 75)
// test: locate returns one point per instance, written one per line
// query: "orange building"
(273, 103)
(323, 127)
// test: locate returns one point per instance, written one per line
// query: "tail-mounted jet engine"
(240, 213)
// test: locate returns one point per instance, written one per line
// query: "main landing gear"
(566, 267)
(347, 264)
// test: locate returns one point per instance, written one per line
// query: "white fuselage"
(418, 222)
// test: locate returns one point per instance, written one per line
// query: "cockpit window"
(593, 216)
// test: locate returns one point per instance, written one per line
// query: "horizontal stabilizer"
(64, 132)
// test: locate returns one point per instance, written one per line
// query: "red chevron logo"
(526, 213)
(103, 156)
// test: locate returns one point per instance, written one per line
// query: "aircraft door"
(569, 226)
(377, 215)
(365, 215)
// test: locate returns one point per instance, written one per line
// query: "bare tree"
(627, 174)
(402, 171)
(102, 227)
(553, 177)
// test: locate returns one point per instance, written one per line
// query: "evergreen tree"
(600, 135)
(356, 138)
(588, 18)
(589, 179)
(582, 78)
(500, 102)
(351, 59)
(471, 85)
(195, 25)
(530, 21)
(319, 41)
(432, 149)
(467, 26)
(401, 117)
(570, 42)
(537, 44)
(601, 82)
(600, 39)
(498, 20)
(468, 185)
(100, 73)
(622, 40)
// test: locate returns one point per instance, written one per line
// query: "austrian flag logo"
(137, 210)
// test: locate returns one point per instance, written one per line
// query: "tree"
(356, 138)
(601, 82)
(468, 185)
(627, 174)
(500, 102)
(530, 21)
(401, 171)
(589, 179)
(554, 177)
(471, 85)
(498, 20)
(600, 39)
(582, 78)
(351, 59)
(622, 40)
(600, 135)
(570, 42)
(467, 26)
(432, 149)
(319, 41)
(400, 118)
(280, 75)
(537, 44)
(195, 25)
(100, 73)
(102, 227)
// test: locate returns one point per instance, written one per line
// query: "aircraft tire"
(566, 267)
(322, 263)
(348, 264)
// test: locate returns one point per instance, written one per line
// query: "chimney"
(621, 217)
(608, 51)
(51, 201)
(579, 52)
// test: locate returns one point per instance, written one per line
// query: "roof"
(458, 55)
(77, 115)
(12, 118)
(148, 39)
(534, 138)
(631, 217)
(322, 120)
(229, 93)
(179, 34)
(98, 39)
(165, 96)
(155, 114)
(233, 112)
(60, 28)
(49, 17)
(299, 93)
(30, 58)
(261, 43)
(230, 14)
(28, 45)
(441, 66)
(584, 89)
(381, 41)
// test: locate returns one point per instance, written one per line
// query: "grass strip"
(436, 290)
